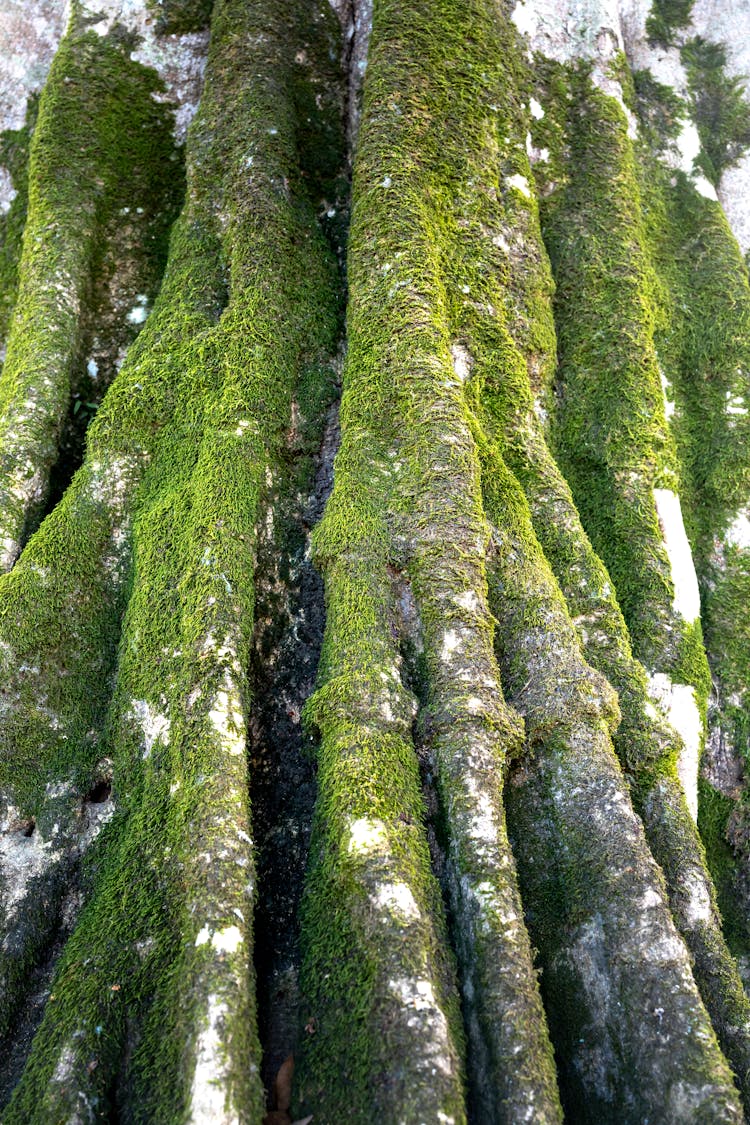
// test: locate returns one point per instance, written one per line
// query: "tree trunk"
(374, 492)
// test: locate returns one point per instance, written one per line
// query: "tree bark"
(373, 469)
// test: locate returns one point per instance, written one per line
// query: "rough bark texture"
(373, 468)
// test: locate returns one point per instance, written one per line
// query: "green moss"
(728, 629)
(610, 432)
(667, 17)
(646, 745)
(691, 666)
(369, 830)
(14, 157)
(407, 502)
(714, 811)
(175, 17)
(718, 104)
(152, 554)
(702, 342)
(660, 110)
(98, 103)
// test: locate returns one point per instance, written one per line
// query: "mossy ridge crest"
(702, 347)
(99, 102)
(14, 157)
(605, 317)
(407, 172)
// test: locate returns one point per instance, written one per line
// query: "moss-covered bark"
(150, 556)
(509, 620)
(97, 104)
(403, 549)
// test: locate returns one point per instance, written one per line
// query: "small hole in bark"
(28, 828)
(100, 793)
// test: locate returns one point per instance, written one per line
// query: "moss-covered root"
(408, 474)
(704, 348)
(646, 746)
(97, 102)
(623, 476)
(205, 402)
(645, 743)
(381, 1009)
(674, 841)
(61, 606)
(640, 1038)
(14, 158)
(468, 729)
(132, 977)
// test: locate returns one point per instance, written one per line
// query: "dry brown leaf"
(282, 1087)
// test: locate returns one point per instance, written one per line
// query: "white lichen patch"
(669, 403)
(735, 404)
(224, 651)
(30, 31)
(468, 600)
(22, 858)
(139, 311)
(525, 19)
(540, 411)
(154, 726)
(678, 703)
(109, 481)
(209, 1089)
(451, 644)
(227, 940)
(419, 994)
(462, 362)
(698, 908)
(21, 485)
(738, 532)
(398, 899)
(7, 191)
(686, 601)
(682, 155)
(424, 1015)
(63, 1071)
(568, 30)
(9, 548)
(366, 836)
(535, 155)
(227, 719)
(482, 824)
(520, 183)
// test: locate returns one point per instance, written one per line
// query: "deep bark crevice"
(290, 619)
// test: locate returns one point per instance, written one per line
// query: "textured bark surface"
(374, 551)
